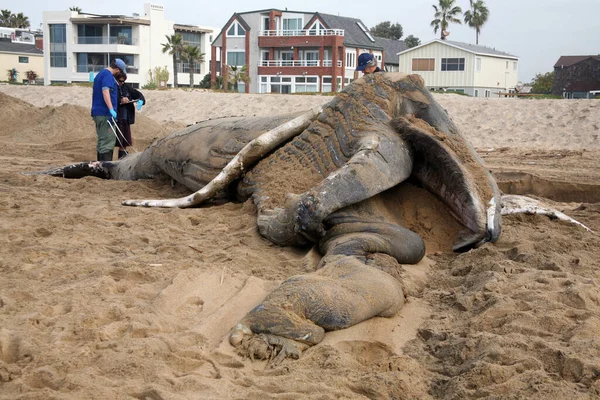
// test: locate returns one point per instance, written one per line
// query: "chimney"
(39, 42)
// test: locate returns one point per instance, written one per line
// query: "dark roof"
(473, 48)
(391, 49)
(353, 34)
(567, 61)
(9, 47)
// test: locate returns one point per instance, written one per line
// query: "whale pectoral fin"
(273, 348)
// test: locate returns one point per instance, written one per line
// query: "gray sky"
(537, 31)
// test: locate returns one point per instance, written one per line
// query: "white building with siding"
(475, 70)
(77, 44)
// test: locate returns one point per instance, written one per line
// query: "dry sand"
(99, 301)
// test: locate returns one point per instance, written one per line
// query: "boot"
(108, 156)
(122, 153)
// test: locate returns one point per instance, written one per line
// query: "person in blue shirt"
(104, 104)
(367, 64)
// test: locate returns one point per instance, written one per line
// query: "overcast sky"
(537, 31)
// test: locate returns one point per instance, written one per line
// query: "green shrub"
(149, 86)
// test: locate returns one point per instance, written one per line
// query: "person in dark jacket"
(129, 100)
(367, 64)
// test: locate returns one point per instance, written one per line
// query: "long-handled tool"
(115, 128)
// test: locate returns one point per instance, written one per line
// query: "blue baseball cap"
(121, 65)
(366, 60)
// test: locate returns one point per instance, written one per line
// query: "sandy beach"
(101, 301)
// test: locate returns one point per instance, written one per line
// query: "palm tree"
(477, 16)
(446, 13)
(192, 55)
(78, 9)
(5, 17)
(20, 21)
(237, 75)
(174, 47)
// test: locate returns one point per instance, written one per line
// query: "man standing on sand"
(367, 64)
(104, 103)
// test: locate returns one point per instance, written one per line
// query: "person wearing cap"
(367, 64)
(104, 103)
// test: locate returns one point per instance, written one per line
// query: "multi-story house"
(292, 51)
(577, 77)
(475, 70)
(81, 44)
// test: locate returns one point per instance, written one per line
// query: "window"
(121, 35)
(316, 29)
(58, 45)
(312, 58)
(478, 64)
(266, 23)
(488, 93)
(89, 34)
(292, 26)
(476, 93)
(326, 86)
(236, 30)
(192, 38)
(305, 84)
(351, 60)
(237, 58)
(453, 64)
(507, 65)
(287, 58)
(423, 64)
(365, 30)
(514, 65)
(265, 58)
(23, 60)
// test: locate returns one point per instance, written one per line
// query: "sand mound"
(103, 301)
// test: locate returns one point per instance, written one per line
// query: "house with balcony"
(478, 71)
(292, 51)
(78, 45)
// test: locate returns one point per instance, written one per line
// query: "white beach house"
(475, 70)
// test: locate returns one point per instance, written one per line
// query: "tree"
(476, 16)
(174, 47)
(410, 41)
(237, 75)
(78, 9)
(10, 20)
(192, 55)
(387, 30)
(5, 18)
(444, 15)
(542, 83)
(20, 21)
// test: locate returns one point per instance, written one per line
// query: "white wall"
(439, 78)
(494, 75)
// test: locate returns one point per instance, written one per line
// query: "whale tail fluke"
(99, 169)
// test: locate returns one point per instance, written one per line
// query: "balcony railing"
(303, 32)
(97, 68)
(107, 40)
(185, 68)
(298, 63)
